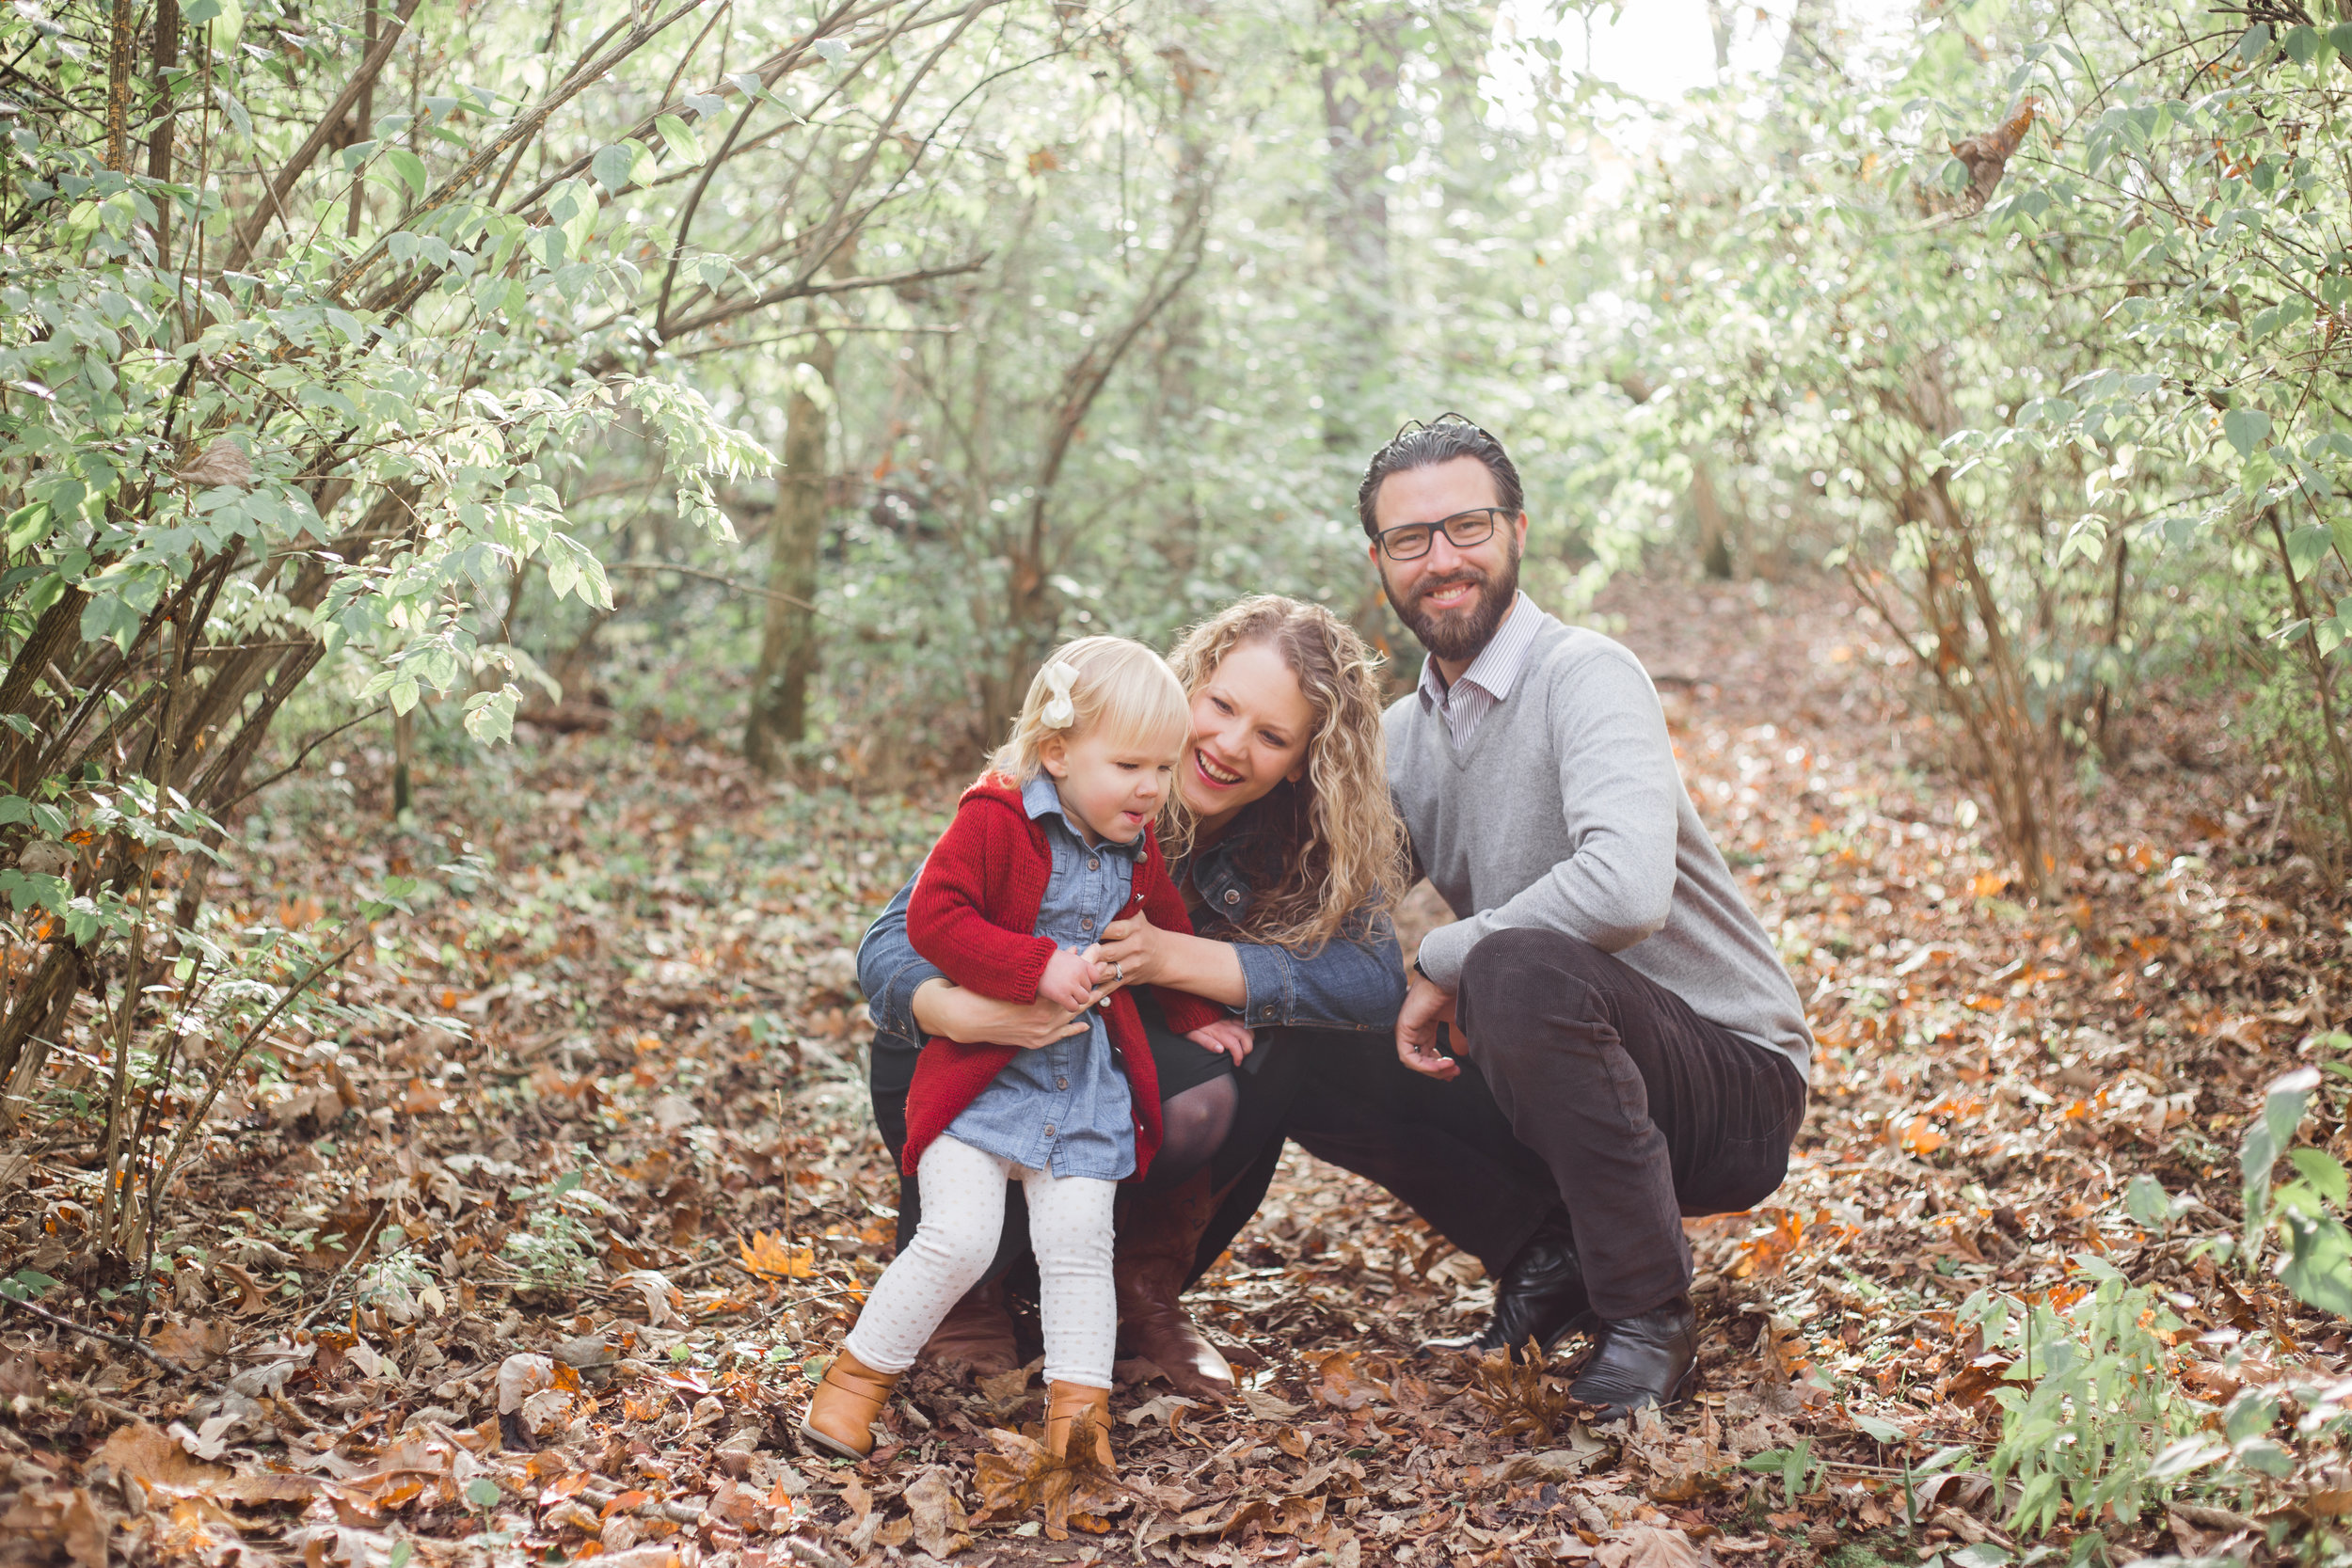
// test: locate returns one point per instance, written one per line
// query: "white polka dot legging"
(963, 1210)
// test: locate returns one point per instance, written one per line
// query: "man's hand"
(1426, 1005)
(1228, 1036)
(1069, 982)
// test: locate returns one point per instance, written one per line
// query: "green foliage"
(1795, 1466)
(2096, 1404)
(2306, 1207)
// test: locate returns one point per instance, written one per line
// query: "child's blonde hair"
(1115, 684)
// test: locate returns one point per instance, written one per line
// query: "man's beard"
(1461, 635)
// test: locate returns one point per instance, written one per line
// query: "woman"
(1293, 861)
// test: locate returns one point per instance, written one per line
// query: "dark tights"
(1193, 1123)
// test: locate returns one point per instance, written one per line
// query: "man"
(1605, 975)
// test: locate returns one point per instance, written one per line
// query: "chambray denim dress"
(1064, 1107)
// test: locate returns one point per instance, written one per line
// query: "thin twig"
(120, 1341)
(356, 1253)
(721, 581)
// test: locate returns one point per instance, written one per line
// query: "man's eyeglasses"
(1462, 530)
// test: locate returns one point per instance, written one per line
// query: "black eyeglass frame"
(1496, 518)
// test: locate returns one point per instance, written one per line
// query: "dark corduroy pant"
(1643, 1111)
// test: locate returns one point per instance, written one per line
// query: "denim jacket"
(1354, 982)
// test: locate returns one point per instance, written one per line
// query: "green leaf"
(27, 1284)
(1885, 1431)
(2246, 428)
(481, 1491)
(679, 139)
(1982, 1555)
(611, 165)
(2302, 44)
(409, 168)
(2146, 1201)
(2307, 547)
(2318, 1266)
(2323, 1172)
(402, 1552)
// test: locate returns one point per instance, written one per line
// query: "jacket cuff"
(1268, 995)
(1445, 950)
(892, 1009)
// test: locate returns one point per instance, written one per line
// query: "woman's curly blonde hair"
(1336, 844)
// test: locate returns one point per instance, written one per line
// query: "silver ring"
(1118, 972)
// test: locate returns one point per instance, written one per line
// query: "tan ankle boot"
(1065, 1404)
(976, 1331)
(1151, 1260)
(841, 1413)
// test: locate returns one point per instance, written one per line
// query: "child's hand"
(1228, 1036)
(1069, 982)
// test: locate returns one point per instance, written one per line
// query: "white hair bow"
(1059, 712)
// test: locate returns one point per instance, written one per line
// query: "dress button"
(1232, 895)
(1095, 865)
(1061, 1082)
(1088, 924)
(1049, 1129)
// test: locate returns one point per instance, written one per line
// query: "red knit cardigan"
(974, 915)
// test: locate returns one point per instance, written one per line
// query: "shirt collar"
(1040, 799)
(1499, 664)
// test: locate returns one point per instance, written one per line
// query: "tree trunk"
(159, 140)
(789, 644)
(1359, 131)
(1715, 526)
(122, 41)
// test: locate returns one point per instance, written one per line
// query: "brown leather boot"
(1065, 1404)
(977, 1332)
(841, 1413)
(1151, 1258)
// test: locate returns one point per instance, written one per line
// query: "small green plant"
(2089, 1403)
(2317, 1259)
(1795, 1466)
(553, 1247)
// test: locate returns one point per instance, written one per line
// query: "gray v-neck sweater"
(1565, 810)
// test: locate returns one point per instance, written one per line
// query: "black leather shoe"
(1652, 1359)
(1541, 1296)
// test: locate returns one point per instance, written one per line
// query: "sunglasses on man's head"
(1449, 417)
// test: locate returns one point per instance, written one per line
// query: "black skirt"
(1181, 1064)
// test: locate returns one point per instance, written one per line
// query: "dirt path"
(598, 1104)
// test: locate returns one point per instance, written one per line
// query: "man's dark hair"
(1424, 446)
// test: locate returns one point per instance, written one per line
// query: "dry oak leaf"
(191, 1345)
(940, 1524)
(1341, 1386)
(223, 462)
(1648, 1547)
(768, 1254)
(1265, 1407)
(1021, 1476)
(158, 1463)
(1987, 156)
(1555, 1464)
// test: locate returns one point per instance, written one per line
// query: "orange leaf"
(768, 1254)
(1921, 1136)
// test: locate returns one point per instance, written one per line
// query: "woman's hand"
(1133, 951)
(1228, 1037)
(968, 1018)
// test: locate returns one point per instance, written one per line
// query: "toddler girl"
(1052, 844)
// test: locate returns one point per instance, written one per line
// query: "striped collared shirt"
(1491, 676)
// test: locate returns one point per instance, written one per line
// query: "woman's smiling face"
(1251, 726)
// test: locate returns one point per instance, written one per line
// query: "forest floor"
(528, 1259)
